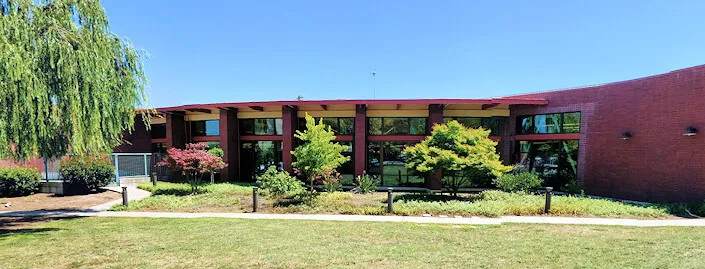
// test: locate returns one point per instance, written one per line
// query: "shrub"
(697, 208)
(18, 181)
(523, 181)
(86, 173)
(331, 182)
(216, 152)
(573, 187)
(365, 184)
(279, 182)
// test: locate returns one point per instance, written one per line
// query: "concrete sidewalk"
(133, 194)
(435, 220)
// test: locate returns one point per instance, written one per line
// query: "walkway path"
(133, 194)
(437, 220)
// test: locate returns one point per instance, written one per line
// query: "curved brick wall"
(658, 164)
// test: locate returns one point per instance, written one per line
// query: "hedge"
(19, 181)
(83, 174)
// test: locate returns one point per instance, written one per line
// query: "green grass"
(227, 197)
(167, 196)
(498, 203)
(233, 243)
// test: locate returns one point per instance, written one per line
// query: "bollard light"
(390, 200)
(254, 199)
(124, 196)
(547, 207)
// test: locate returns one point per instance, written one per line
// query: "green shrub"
(331, 181)
(18, 181)
(279, 183)
(216, 152)
(523, 181)
(573, 187)
(697, 209)
(83, 174)
(332, 186)
(365, 184)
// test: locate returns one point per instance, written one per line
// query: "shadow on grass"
(21, 225)
(177, 192)
(295, 200)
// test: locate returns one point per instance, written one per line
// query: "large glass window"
(558, 123)
(261, 126)
(556, 161)
(571, 122)
(205, 128)
(340, 126)
(158, 130)
(387, 164)
(396, 126)
(547, 124)
(491, 123)
(257, 156)
(159, 148)
(347, 169)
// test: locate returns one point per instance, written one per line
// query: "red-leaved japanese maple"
(193, 162)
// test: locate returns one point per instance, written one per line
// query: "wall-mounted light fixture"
(690, 131)
(626, 135)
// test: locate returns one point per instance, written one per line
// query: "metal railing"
(131, 165)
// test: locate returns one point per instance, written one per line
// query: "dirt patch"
(48, 201)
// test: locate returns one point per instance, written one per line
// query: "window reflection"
(271, 126)
(556, 161)
(396, 126)
(387, 164)
(205, 128)
(558, 123)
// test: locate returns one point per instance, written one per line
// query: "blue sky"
(221, 51)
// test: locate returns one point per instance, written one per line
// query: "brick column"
(175, 131)
(230, 143)
(435, 116)
(289, 123)
(506, 143)
(360, 139)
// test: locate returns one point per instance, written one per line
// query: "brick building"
(636, 139)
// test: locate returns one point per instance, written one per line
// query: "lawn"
(238, 198)
(235, 243)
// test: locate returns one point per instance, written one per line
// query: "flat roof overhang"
(258, 105)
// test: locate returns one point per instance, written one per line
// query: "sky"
(233, 51)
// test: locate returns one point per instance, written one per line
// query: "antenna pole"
(374, 84)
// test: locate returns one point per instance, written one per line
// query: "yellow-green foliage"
(465, 152)
(319, 152)
(499, 203)
(66, 81)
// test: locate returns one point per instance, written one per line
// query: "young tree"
(193, 162)
(460, 153)
(66, 81)
(319, 153)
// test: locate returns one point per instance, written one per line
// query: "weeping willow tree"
(67, 83)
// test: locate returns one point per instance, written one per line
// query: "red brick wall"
(140, 140)
(659, 163)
